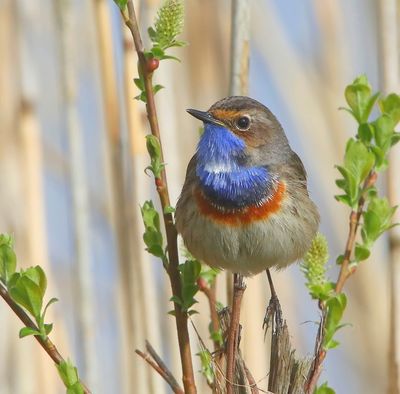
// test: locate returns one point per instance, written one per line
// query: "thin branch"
(251, 380)
(162, 189)
(46, 344)
(344, 274)
(354, 222)
(319, 352)
(209, 292)
(232, 346)
(162, 365)
(162, 372)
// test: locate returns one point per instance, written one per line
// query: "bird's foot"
(273, 315)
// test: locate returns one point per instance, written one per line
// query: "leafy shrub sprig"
(366, 156)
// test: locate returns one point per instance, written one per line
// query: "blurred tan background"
(72, 156)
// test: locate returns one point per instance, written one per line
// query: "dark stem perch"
(158, 365)
(181, 318)
(243, 379)
(233, 335)
(46, 344)
(287, 374)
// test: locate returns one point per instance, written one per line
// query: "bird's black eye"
(243, 123)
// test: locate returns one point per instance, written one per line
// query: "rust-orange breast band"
(245, 215)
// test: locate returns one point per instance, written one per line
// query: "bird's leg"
(273, 314)
(233, 336)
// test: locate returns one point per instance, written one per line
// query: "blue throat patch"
(223, 179)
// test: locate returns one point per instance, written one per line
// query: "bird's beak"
(204, 116)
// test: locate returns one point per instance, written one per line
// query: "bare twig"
(209, 292)
(165, 374)
(232, 346)
(251, 380)
(162, 189)
(46, 344)
(162, 365)
(320, 353)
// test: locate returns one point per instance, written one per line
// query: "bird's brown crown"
(247, 118)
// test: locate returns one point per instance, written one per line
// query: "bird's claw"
(273, 315)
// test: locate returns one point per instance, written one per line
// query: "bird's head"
(239, 152)
(242, 123)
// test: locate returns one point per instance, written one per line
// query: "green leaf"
(121, 3)
(344, 199)
(169, 209)
(27, 288)
(383, 130)
(206, 365)
(216, 336)
(377, 219)
(48, 328)
(152, 33)
(152, 236)
(359, 99)
(176, 300)
(51, 301)
(169, 57)
(154, 149)
(381, 162)
(157, 52)
(189, 273)
(395, 138)
(190, 270)
(139, 82)
(178, 44)
(358, 160)
(69, 375)
(76, 388)
(339, 259)
(335, 308)
(209, 274)
(156, 250)
(141, 97)
(365, 132)
(25, 331)
(324, 389)
(321, 291)
(8, 259)
(390, 105)
(362, 252)
(157, 88)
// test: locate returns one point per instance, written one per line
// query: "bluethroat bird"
(244, 205)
